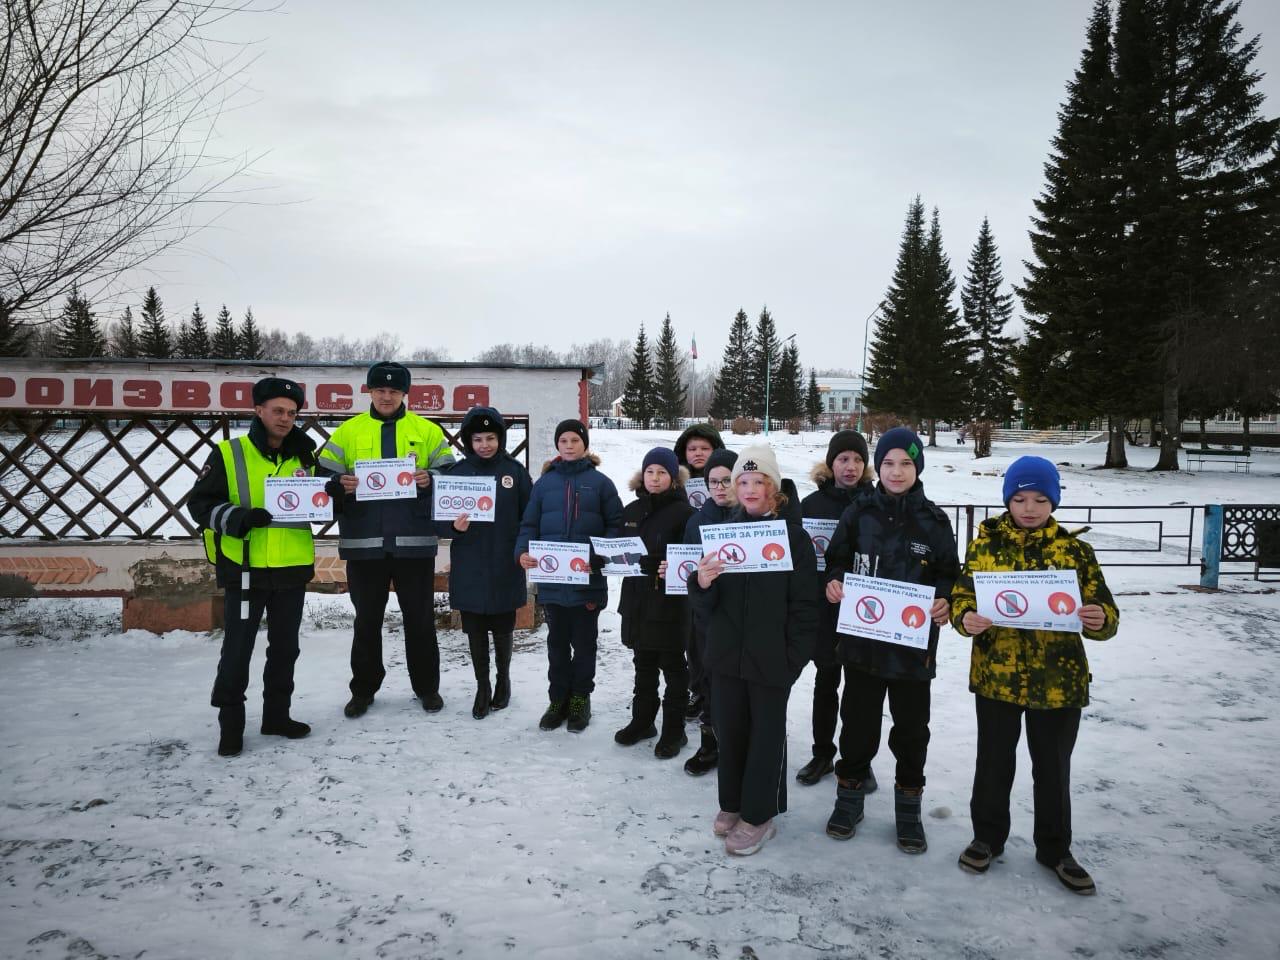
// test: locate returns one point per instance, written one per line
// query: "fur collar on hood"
(637, 480)
(593, 458)
(822, 476)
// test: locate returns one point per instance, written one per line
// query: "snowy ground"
(400, 834)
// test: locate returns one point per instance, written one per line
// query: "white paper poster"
(749, 547)
(1031, 600)
(560, 562)
(297, 499)
(386, 479)
(820, 532)
(696, 490)
(622, 555)
(454, 496)
(682, 563)
(887, 610)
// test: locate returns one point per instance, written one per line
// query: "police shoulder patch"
(508, 481)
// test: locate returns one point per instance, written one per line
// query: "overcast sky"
(468, 173)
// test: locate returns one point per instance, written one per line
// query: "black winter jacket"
(829, 502)
(484, 576)
(905, 538)
(651, 620)
(212, 489)
(761, 626)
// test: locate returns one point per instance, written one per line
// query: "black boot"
(707, 756)
(556, 711)
(814, 770)
(579, 712)
(845, 818)
(694, 709)
(357, 706)
(231, 725)
(479, 644)
(644, 708)
(906, 808)
(281, 725)
(502, 659)
(673, 735)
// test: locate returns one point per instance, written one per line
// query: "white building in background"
(840, 395)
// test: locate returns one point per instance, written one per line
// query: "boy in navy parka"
(571, 502)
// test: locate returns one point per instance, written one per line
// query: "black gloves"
(258, 517)
(598, 562)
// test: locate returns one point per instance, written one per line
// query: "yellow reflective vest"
(277, 545)
(380, 528)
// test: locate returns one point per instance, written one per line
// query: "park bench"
(1237, 458)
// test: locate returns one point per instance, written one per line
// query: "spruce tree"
(1194, 146)
(940, 355)
(813, 400)
(193, 341)
(15, 337)
(670, 392)
(225, 345)
(788, 387)
(154, 340)
(766, 355)
(78, 332)
(732, 382)
(249, 338)
(638, 398)
(889, 388)
(986, 312)
(1077, 363)
(124, 339)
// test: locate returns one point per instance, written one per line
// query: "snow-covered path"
(401, 834)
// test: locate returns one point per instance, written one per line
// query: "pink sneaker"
(724, 823)
(744, 839)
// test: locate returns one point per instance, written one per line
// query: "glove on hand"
(259, 517)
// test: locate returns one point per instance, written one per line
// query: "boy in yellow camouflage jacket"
(1040, 673)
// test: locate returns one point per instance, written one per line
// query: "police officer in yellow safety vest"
(388, 542)
(227, 501)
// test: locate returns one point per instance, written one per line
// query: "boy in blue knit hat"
(1040, 675)
(894, 533)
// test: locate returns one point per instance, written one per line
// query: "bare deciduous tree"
(107, 108)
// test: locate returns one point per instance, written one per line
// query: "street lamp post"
(862, 380)
(768, 372)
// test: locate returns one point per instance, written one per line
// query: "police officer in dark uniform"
(274, 560)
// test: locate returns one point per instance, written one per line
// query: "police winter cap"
(572, 426)
(388, 373)
(269, 388)
(844, 441)
(1032, 473)
(758, 458)
(483, 420)
(900, 438)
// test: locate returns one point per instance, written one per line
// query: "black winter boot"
(815, 770)
(694, 708)
(502, 659)
(673, 735)
(281, 725)
(231, 725)
(579, 712)
(479, 644)
(906, 808)
(869, 784)
(643, 711)
(845, 818)
(555, 713)
(707, 756)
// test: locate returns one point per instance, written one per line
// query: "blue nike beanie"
(1032, 473)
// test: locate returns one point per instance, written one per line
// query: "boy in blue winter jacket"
(571, 502)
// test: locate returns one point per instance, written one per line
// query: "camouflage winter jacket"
(1040, 669)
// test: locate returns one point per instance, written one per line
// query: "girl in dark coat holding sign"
(897, 533)
(652, 621)
(485, 582)
(760, 629)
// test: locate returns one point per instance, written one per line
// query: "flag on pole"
(695, 347)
